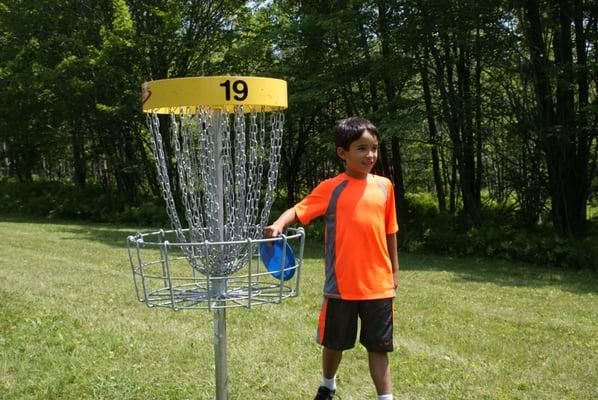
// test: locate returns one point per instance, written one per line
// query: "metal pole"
(220, 357)
(220, 354)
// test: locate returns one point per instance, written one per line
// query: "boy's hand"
(393, 252)
(287, 218)
(395, 278)
(272, 231)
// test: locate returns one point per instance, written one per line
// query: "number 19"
(239, 87)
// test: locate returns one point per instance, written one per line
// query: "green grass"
(71, 328)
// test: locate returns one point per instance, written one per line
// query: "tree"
(561, 82)
(433, 131)
(452, 36)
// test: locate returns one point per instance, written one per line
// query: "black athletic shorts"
(337, 326)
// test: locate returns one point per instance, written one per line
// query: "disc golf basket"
(219, 140)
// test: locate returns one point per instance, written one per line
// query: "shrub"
(499, 236)
(146, 214)
(425, 230)
(91, 203)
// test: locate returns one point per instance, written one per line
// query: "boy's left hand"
(395, 278)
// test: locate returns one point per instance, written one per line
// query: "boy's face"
(361, 156)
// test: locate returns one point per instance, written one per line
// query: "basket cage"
(181, 276)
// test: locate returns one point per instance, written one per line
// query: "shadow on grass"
(495, 271)
(108, 234)
(116, 234)
(504, 272)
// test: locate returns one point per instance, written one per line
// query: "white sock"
(329, 383)
(384, 397)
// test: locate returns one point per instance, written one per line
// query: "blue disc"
(271, 254)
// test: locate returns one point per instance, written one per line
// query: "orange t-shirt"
(359, 214)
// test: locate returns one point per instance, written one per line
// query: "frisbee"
(271, 254)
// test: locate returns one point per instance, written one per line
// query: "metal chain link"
(254, 175)
(206, 148)
(277, 122)
(239, 190)
(162, 169)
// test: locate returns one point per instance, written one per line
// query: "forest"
(487, 110)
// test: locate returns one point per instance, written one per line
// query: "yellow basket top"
(186, 95)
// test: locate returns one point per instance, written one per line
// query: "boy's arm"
(393, 252)
(277, 227)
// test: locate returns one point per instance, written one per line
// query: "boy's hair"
(350, 129)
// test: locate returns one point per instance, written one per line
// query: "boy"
(361, 257)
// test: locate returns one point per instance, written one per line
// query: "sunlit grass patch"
(71, 328)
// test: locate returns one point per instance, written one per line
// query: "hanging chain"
(220, 169)
(254, 175)
(277, 122)
(162, 169)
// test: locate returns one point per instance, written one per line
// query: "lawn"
(71, 328)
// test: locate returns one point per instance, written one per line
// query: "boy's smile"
(361, 156)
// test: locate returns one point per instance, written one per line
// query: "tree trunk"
(397, 177)
(385, 169)
(390, 91)
(467, 165)
(566, 142)
(456, 110)
(453, 184)
(79, 159)
(433, 132)
(478, 120)
(293, 161)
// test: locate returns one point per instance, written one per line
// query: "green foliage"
(70, 76)
(90, 203)
(422, 205)
(500, 237)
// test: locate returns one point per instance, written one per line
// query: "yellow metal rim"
(186, 95)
